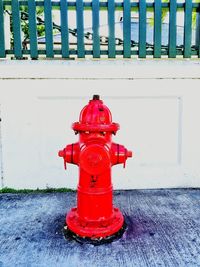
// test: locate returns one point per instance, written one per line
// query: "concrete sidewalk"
(163, 230)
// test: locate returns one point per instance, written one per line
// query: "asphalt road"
(163, 230)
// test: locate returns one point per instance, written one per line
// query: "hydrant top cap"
(96, 97)
(95, 117)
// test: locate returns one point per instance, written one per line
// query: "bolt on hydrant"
(95, 218)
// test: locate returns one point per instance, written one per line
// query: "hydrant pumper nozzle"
(95, 154)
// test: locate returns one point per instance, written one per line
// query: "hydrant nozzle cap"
(96, 97)
(129, 154)
(61, 153)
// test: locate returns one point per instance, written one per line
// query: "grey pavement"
(163, 230)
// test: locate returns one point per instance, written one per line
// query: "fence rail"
(91, 42)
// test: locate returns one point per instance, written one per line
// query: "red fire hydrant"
(95, 153)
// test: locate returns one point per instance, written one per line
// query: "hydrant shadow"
(54, 227)
(137, 227)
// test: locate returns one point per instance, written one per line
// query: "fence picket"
(64, 28)
(80, 29)
(16, 29)
(48, 28)
(95, 28)
(32, 29)
(187, 28)
(127, 29)
(2, 35)
(142, 28)
(111, 29)
(157, 28)
(172, 28)
(197, 34)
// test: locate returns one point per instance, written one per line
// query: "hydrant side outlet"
(95, 217)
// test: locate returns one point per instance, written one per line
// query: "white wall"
(1, 155)
(158, 117)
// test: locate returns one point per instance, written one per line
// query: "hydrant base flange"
(94, 229)
(94, 241)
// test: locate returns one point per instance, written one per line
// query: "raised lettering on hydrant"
(95, 217)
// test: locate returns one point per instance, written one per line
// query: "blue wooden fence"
(110, 46)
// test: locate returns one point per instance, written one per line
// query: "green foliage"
(165, 12)
(27, 191)
(194, 15)
(24, 23)
(40, 28)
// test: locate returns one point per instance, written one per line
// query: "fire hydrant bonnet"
(95, 117)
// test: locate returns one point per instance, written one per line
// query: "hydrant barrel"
(95, 217)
